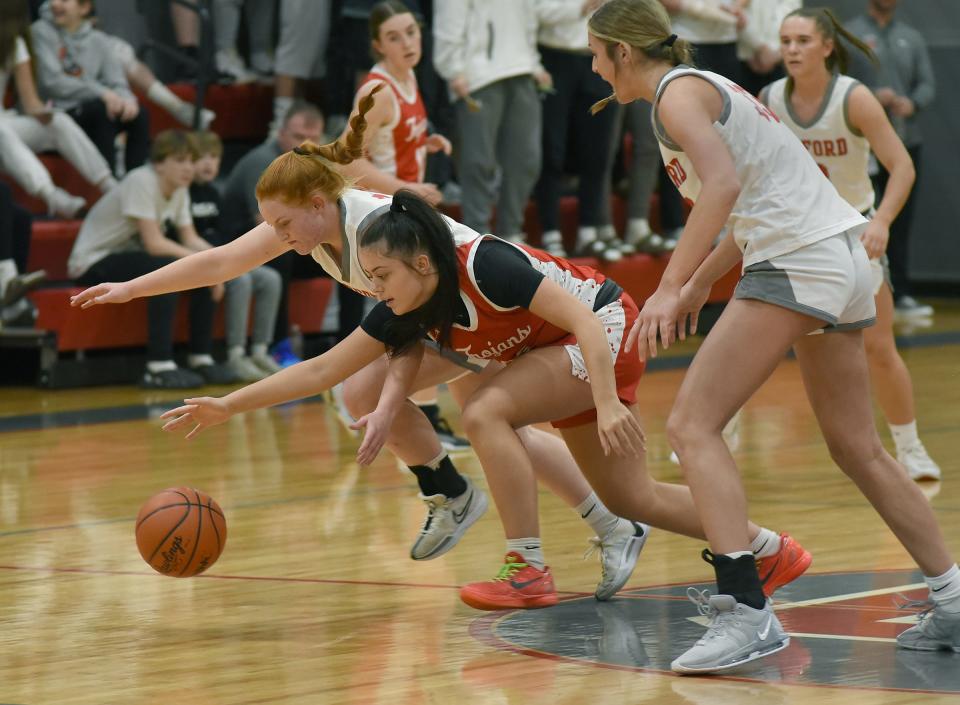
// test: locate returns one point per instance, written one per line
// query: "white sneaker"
(266, 363)
(619, 551)
(229, 62)
(447, 520)
(64, 205)
(737, 634)
(552, 242)
(907, 307)
(919, 464)
(245, 369)
(936, 630)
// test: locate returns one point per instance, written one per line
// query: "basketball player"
(559, 326)
(805, 271)
(396, 145)
(308, 207)
(840, 121)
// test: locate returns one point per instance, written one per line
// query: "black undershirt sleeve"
(504, 274)
(373, 323)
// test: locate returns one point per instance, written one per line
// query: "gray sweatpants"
(502, 139)
(260, 286)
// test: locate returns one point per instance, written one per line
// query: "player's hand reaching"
(375, 427)
(438, 143)
(620, 432)
(659, 315)
(692, 300)
(107, 293)
(875, 238)
(200, 412)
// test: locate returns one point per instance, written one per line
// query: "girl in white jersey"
(805, 271)
(396, 145)
(308, 206)
(840, 122)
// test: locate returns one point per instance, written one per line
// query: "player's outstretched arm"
(213, 266)
(299, 381)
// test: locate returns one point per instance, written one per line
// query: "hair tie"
(397, 207)
(668, 42)
(302, 152)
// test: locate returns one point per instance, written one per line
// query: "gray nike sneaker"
(737, 634)
(937, 630)
(619, 551)
(447, 520)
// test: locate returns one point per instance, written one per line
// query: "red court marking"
(269, 578)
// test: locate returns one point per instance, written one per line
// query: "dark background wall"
(935, 238)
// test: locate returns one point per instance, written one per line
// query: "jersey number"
(765, 112)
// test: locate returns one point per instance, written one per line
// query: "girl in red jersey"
(560, 327)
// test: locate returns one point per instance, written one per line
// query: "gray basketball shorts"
(830, 280)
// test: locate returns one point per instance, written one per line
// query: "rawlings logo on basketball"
(171, 555)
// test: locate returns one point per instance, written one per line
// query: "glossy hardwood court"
(315, 600)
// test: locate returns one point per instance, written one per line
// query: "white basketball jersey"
(785, 200)
(357, 210)
(840, 150)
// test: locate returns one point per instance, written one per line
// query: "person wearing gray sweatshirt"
(79, 74)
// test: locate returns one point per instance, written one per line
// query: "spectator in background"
(758, 46)
(15, 281)
(123, 237)
(562, 38)
(488, 55)
(904, 83)
(260, 21)
(302, 122)
(38, 128)
(301, 53)
(79, 73)
(259, 287)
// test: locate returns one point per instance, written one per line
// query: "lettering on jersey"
(496, 350)
(676, 172)
(765, 112)
(415, 128)
(827, 148)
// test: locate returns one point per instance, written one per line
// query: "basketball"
(181, 532)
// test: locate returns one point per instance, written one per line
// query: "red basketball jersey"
(496, 333)
(400, 148)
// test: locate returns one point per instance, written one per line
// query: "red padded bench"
(63, 175)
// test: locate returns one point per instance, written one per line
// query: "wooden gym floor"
(315, 600)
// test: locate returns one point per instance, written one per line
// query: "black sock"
(443, 480)
(737, 577)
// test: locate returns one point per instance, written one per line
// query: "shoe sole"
(624, 572)
(753, 656)
(789, 575)
(479, 506)
(520, 603)
(938, 647)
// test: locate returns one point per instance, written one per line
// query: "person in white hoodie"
(78, 72)
(487, 53)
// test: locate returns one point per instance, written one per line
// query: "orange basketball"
(181, 532)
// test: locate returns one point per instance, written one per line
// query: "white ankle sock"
(600, 519)
(531, 550)
(258, 349)
(199, 360)
(737, 554)
(169, 101)
(904, 435)
(235, 352)
(945, 589)
(766, 544)
(161, 366)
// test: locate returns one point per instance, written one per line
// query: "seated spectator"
(123, 237)
(302, 122)
(260, 286)
(15, 281)
(38, 128)
(78, 71)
